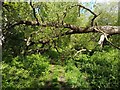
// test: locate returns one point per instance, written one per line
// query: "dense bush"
(101, 70)
(24, 72)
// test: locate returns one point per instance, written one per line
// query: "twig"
(112, 43)
(79, 51)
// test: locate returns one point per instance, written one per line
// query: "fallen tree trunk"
(111, 30)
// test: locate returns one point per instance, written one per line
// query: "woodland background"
(55, 45)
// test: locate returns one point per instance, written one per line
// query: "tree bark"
(111, 30)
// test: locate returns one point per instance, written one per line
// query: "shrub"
(24, 72)
(102, 68)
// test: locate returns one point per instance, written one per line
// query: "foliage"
(102, 68)
(22, 72)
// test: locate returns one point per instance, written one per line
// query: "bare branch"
(81, 6)
(104, 36)
(112, 44)
(34, 13)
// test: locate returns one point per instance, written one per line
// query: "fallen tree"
(72, 29)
